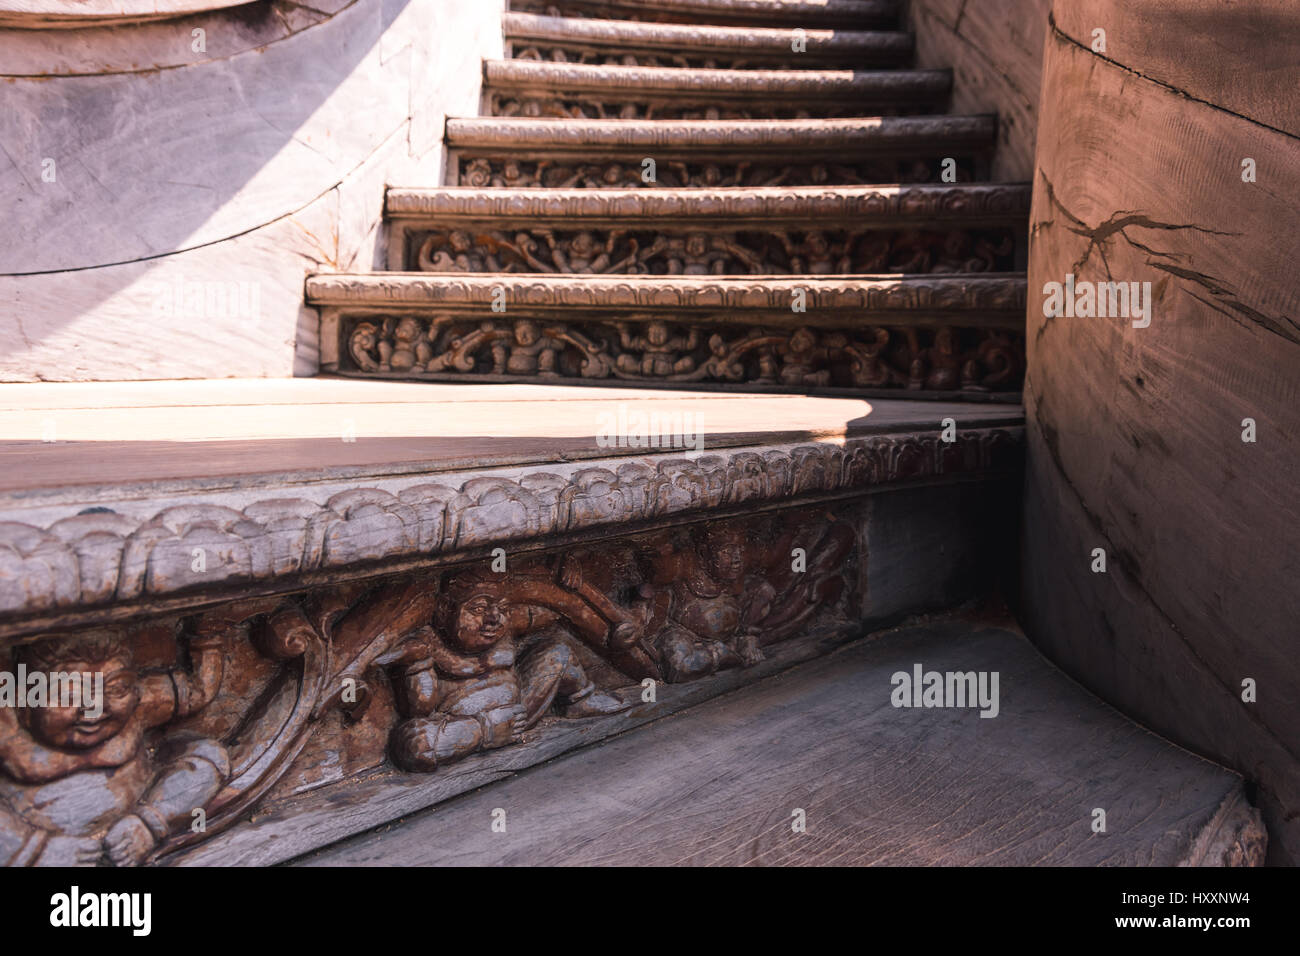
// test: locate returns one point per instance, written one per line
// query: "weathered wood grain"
(995, 50)
(880, 785)
(1136, 433)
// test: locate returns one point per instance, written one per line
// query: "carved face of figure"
(802, 341)
(584, 244)
(407, 331)
(712, 175)
(613, 174)
(724, 556)
(816, 244)
(459, 241)
(79, 728)
(697, 244)
(526, 333)
(481, 621)
(656, 334)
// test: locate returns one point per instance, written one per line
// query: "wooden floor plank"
(718, 784)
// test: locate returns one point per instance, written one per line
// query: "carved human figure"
(498, 656)
(583, 254)
(455, 252)
(705, 608)
(658, 353)
(78, 789)
(529, 352)
(699, 254)
(814, 253)
(868, 367)
(937, 366)
(800, 357)
(405, 347)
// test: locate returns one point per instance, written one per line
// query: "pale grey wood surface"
(718, 784)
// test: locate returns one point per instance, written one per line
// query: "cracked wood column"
(1135, 434)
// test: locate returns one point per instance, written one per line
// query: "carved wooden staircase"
(815, 317)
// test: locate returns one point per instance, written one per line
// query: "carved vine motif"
(557, 52)
(580, 106)
(512, 173)
(751, 251)
(440, 666)
(523, 173)
(657, 351)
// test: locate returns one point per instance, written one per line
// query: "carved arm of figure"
(751, 259)
(195, 770)
(632, 259)
(525, 245)
(25, 845)
(595, 363)
(793, 251)
(629, 623)
(628, 341)
(179, 692)
(649, 252)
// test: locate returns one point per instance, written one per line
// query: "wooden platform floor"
(718, 784)
(66, 434)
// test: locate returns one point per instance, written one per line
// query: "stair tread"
(788, 12)
(533, 74)
(756, 206)
(727, 136)
(889, 295)
(717, 784)
(158, 432)
(687, 38)
(263, 472)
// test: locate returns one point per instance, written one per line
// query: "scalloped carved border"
(100, 556)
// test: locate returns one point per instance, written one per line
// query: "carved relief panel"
(203, 718)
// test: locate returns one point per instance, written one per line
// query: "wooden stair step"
(853, 229)
(941, 336)
(579, 40)
(531, 88)
(520, 152)
(105, 488)
(722, 783)
(791, 13)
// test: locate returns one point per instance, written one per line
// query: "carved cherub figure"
(869, 367)
(405, 347)
(496, 658)
(699, 254)
(815, 254)
(660, 352)
(77, 788)
(584, 255)
(706, 608)
(800, 357)
(529, 351)
(938, 366)
(454, 252)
